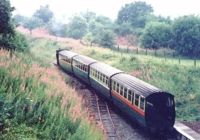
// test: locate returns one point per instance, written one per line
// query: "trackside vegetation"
(35, 103)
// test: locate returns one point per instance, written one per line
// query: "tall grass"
(35, 103)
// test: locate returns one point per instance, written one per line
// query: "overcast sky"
(110, 8)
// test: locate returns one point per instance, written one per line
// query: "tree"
(134, 13)
(157, 35)
(32, 23)
(98, 27)
(19, 20)
(123, 29)
(88, 16)
(77, 27)
(44, 13)
(6, 26)
(186, 32)
(106, 38)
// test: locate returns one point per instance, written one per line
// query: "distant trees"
(135, 14)
(41, 17)
(32, 23)
(101, 31)
(107, 38)
(89, 27)
(182, 35)
(187, 35)
(157, 35)
(44, 13)
(77, 27)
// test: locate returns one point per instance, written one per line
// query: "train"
(149, 106)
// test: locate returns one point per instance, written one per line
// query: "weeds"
(35, 103)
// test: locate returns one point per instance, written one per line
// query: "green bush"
(186, 37)
(17, 41)
(157, 35)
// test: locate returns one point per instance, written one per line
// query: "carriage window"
(117, 88)
(137, 99)
(61, 57)
(92, 72)
(133, 98)
(142, 103)
(95, 73)
(125, 92)
(86, 68)
(107, 81)
(98, 75)
(101, 76)
(121, 90)
(129, 95)
(68, 60)
(114, 85)
(104, 80)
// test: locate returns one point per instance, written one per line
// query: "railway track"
(105, 116)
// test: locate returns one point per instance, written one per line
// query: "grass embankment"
(35, 103)
(183, 81)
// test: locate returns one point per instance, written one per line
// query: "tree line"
(135, 21)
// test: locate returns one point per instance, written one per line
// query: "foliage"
(157, 35)
(20, 20)
(18, 42)
(32, 23)
(44, 14)
(123, 29)
(89, 16)
(106, 38)
(135, 14)
(77, 27)
(101, 31)
(6, 26)
(187, 35)
(56, 28)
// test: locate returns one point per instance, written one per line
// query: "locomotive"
(149, 106)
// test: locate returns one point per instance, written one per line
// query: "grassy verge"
(35, 103)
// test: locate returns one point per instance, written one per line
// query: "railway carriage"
(64, 59)
(100, 78)
(81, 67)
(151, 107)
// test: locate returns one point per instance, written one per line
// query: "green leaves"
(157, 35)
(44, 14)
(6, 26)
(187, 35)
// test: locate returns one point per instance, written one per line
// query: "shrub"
(17, 41)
